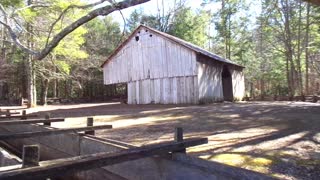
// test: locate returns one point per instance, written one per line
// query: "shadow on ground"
(277, 138)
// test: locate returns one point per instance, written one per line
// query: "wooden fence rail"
(61, 167)
(31, 121)
(50, 132)
(19, 116)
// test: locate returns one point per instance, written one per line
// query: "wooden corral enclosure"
(50, 153)
(162, 69)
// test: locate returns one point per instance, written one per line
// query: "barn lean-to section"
(209, 80)
(162, 69)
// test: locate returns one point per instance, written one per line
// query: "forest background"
(277, 41)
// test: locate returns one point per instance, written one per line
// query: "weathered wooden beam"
(12, 109)
(30, 121)
(62, 167)
(11, 113)
(50, 132)
(18, 116)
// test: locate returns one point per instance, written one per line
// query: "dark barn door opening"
(227, 84)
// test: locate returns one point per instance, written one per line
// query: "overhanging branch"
(103, 11)
(17, 41)
(66, 10)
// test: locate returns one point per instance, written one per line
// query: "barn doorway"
(227, 84)
(116, 92)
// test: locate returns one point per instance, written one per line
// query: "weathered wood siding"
(173, 90)
(237, 83)
(209, 80)
(159, 70)
(156, 69)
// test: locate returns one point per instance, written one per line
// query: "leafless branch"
(124, 27)
(16, 40)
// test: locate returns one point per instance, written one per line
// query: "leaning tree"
(9, 22)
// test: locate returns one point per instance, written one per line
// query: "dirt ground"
(281, 139)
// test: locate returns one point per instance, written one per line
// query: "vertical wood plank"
(157, 91)
(162, 89)
(196, 90)
(140, 92)
(129, 95)
(152, 92)
(137, 92)
(179, 90)
(174, 89)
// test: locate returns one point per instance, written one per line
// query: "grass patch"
(259, 164)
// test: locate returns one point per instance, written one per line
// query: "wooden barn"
(162, 69)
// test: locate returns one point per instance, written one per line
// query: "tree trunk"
(300, 83)
(30, 82)
(307, 49)
(44, 92)
(262, 88)
(66, 89)
(32, 101)
(289, 51)
(54, 87)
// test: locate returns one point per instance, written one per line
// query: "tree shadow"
(253, 129)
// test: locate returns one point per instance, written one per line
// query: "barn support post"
(30, 156)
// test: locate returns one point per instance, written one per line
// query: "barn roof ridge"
(177, 40)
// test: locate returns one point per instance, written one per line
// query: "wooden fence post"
(90, 123)
(47, 117)
(24, 115)
(314, 99)
(30, 156)
(178, 137)
(8, 113)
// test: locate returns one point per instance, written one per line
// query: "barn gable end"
(160, 68)
(156, 69)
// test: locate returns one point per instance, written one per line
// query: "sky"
(151, 7)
